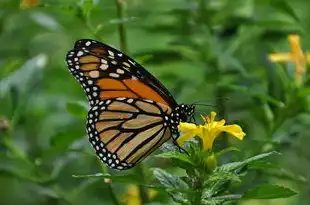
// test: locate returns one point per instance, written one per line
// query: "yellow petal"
(185, 137)
(308, 57)
(234, 130)
(208, 139)
(186, 127)
(280, 57)
(190, 130)
(213, 114)
(294, 41)
(220, 123)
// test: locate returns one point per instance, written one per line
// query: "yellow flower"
(296, 55)
(133, 196)
(26, 4)
(4, 124)
(209, 131)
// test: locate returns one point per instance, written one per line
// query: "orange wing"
(123, 131)
(106, 73)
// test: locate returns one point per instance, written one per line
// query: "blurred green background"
(214, 51)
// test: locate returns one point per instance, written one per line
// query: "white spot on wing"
(80, 53)
(104, 66)
(115, 75)
(120, 71)
(110, 53)
(133, 63)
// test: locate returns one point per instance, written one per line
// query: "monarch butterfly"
(131, 113)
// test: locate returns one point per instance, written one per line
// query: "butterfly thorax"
(182, 113)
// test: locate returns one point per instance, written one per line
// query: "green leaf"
(78, 109)
(237, 165)
(263, 165)
(219, 182)
(285, 7)
(175, 155)
(175, 186)
(87, 6)
(26, 77)
(130, 178)
(221, 199)
(63, 140)
(169, 180)
(224, 151)
(262, 96)
(283, 174)
(269, 192)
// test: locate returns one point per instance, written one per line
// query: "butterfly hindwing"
(123, 131)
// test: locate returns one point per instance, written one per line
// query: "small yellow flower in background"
(4, 124)
(26, 4)
(296, 55)
(133, 196)
(209, 131)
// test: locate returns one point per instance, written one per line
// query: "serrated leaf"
(221, 199)
(175, 155)
(168, 180)
(237, 165)
(219, 182)
(263, 165)
(269, 192)
(77, 109)
(175, 186)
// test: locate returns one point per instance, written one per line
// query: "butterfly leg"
(178, 146)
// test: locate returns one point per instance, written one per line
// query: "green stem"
(197, 186)
(121, 26)
(142, 190)
(110, 187)
(220, 102)
(123, 46)
(112, 194)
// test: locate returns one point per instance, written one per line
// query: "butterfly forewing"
(106, 73)
(123, 132)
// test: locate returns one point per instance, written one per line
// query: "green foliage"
(208, 51)
(205, 186)
(269, 192)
